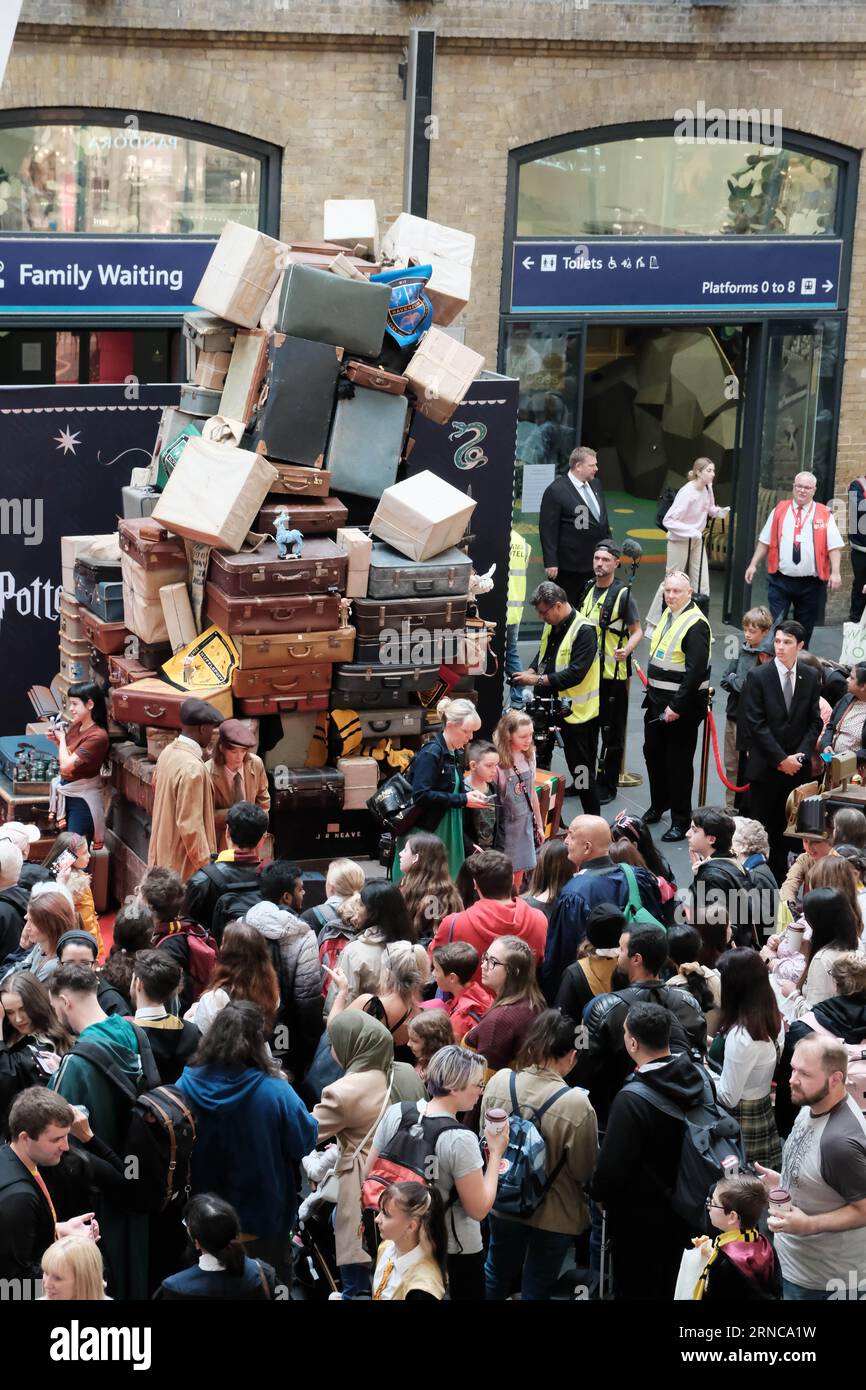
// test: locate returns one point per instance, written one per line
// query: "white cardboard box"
(241, 274)
(440, 373)
(177, 611)
(448, 289)
(422, 516)
(419, 237)
(215, 493)
(359, 548)
(352, 222)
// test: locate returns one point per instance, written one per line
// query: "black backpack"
(410, 1156)
(234, 904)
(666, 501)
(711, 1135)
(160, 1129)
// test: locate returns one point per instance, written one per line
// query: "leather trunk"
(324, 836)
(132, 774)
(154, 702)
(376, 378)
(278, 682)
(298, 481)
(296, 648)
(322, 567)
(130, 823)
(275, 613)
(326, 308)
(109, 638)
(373, 685)
(284, 704)
(309, 789)
(292, 417)
(102, 598)
(393, 576)
(318, 518)
(366, 442)
(124, 670)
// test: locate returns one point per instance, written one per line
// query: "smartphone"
(64, 860)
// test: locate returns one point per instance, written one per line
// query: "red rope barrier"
(715, 737)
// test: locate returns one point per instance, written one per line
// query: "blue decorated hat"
(410, 312)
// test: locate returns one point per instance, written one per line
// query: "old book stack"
(275, 504)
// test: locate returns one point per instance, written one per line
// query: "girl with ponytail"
(411, 1263)
(223, 1270)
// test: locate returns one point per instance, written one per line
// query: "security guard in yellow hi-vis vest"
(518, 564)
(610, 607)
(567, 665)
(678, 678)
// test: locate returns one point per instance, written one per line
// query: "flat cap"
(199, 712)
(236, 733)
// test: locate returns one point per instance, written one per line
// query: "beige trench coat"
(349, 1112)
(182, 833)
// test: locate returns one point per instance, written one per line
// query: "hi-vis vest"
(613, 637)
(584, 697)
(518, 563)
(667, 660)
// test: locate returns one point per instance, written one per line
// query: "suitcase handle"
(289, 685)
(295, 487)
(301, 650)
(154, 711)
(380, 726)
(422, 586)
(282, 615)
(294, 578)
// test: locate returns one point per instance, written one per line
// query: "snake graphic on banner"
(470, 454)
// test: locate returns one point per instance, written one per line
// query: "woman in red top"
(508, 972)
(76, 796)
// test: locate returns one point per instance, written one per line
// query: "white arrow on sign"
(828, 285)
(528, 262)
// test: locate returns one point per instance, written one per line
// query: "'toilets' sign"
(81, 275)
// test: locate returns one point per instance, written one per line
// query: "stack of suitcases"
(300, 403)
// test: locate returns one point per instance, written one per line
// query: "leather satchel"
(376, 379)
(394, 805)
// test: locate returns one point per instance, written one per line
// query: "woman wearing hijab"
(349, 1111)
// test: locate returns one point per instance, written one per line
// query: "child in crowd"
(742, 1265)
(756, 624)
(465, 1002)
(428, 1031)
(411, 1263)
(479, 827)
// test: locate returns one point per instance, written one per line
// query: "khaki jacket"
(255, 789)
(350, 1111)
(182, 834)
(568, 1126)
(792, 887)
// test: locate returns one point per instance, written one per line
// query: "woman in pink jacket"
(685, 522)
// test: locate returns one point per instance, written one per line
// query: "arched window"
(113, 173)
(671, 182)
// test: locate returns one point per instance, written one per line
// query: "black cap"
(81, 938)
(609, 545)
(194, 712)
(604, 926)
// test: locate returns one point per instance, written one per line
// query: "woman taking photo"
(750, 1027)
(349, 1111)
(412, 1259)
(436, 775)
(223, 1269)
(508, 972)
(426, 883)
(466, 1182)
(553, 870)
(383, 921)
(244, 971)
(32, 1039)
(685, 522)
(530, 1251)
(520, 831)
(76, 795)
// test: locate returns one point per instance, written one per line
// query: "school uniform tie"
(789, 690)
(238, 787)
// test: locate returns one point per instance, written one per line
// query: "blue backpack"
(524, 1181)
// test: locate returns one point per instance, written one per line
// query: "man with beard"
(822, 1237)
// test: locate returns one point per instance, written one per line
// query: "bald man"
(804, 549)
(597, 880)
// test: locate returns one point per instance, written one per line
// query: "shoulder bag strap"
(359, 1148)
(451, 928)
(634, 898)
(263, 1280)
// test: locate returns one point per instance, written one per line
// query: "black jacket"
(431, 773)
(205, 888)
(840, 1015)
(771, 732)
(172, 1046)
(568, 530)
(26, 1223)
(603, 1063)
(829, 733)
(13, 906)
(583, 654)
(197, 1285)
(723, 881)
(31, 874)
(18, 1070)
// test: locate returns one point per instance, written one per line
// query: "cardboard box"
(352, 222)
(440, 374)
(418, 238)
(422, 516)
(241, 275)
(211, 369)
(177, 611)
(361, 778)
(207, 333)
(214, 494)
(359, 548)
(73, 546)
(448, 289)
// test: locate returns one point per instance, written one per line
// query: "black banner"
(67, 452)
(475, 453)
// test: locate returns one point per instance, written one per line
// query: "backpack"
(160, 1129)
(233, 905)
(410, 1156)
(634, 910)
(666, 501)
(202, 950)
(524, 1181)
(711, 1135)
(747, 916)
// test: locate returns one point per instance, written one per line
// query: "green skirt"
(450, 832)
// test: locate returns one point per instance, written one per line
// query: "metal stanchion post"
(705, 752)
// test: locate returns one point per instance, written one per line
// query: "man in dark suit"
(782, 720)
(573, 519)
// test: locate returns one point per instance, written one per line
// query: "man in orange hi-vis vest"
(804, 548)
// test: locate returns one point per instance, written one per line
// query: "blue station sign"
(84, 275)
(726, 274)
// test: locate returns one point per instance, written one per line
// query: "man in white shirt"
(804, 548)
(572, 520)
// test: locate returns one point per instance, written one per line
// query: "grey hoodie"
(296, 959)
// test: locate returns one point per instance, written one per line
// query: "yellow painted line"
(648, 533)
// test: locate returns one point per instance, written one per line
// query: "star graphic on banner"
(67, 441)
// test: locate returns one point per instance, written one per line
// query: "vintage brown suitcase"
(156, 702)
(284, 704)
(124, 670)
(152, 655)
(127, 869)
(296, 648)
(322, 567)
(274, 613)
(319, 518)
(309, 789)
(151, 558)
(375, 378)
(295, 480)
(372, 615)
(109, 638)
(371, 685)
(245, 375)
(157, 740)
(257, 683)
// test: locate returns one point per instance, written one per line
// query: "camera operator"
(567, 667)
(609, 606)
